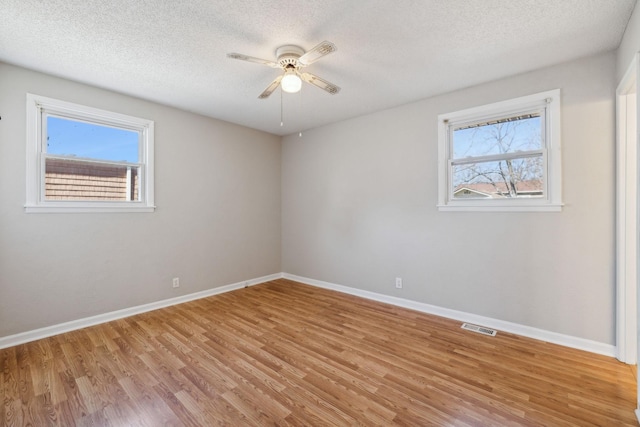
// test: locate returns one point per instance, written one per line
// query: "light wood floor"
(283, 353)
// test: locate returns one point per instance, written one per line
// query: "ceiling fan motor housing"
(288, 56)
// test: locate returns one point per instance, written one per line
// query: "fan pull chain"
(281, 115)
(300, 109)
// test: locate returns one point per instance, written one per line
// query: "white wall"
(359, 208)
(217, 220)
(629, 45)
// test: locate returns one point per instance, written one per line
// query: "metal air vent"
(479, 329)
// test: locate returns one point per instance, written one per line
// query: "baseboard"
(21, 338)
(500, 325)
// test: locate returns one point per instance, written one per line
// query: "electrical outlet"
(176, 282)
(398, 282)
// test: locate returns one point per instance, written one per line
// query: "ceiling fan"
(291, 59)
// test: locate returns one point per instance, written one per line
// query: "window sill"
(500, 208)
(87, 209)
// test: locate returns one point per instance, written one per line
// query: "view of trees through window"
(499, 158)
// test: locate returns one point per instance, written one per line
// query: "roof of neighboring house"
(495, 189)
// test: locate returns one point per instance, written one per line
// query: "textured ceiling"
(389, 52)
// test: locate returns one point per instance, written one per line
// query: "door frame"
(627, 221)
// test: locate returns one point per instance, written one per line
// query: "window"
(81, 159)
(501, 157)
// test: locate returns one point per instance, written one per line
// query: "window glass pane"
(70, 179)
(66, 137)
(516, 178)
(508, 135)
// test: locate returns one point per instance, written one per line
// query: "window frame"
(548, 104)
(37, 108)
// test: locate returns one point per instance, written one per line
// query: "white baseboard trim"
(500, 325)
(24, 337)
(638, 414)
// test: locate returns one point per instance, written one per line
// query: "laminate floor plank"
(287, 354)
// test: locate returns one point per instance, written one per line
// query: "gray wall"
(630, 44)
(217, 220)
(359, 208)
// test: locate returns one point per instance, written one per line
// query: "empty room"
(319, 213)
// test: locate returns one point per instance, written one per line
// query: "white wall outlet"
(176, 282)
(398, 282)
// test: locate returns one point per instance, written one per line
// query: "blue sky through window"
(66, 137)
(500, 138)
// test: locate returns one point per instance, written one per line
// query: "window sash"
(498, 157)
(456, 125)
(128, 166)
(45, 114)
(542, 154)
(501, 118)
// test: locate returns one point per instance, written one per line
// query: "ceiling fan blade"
(253, 59)
(317, 52)
(269, 90)
(321, 83)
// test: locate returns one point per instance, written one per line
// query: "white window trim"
(552, 202)
(35, 202)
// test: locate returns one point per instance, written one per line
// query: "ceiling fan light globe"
(291, 83)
